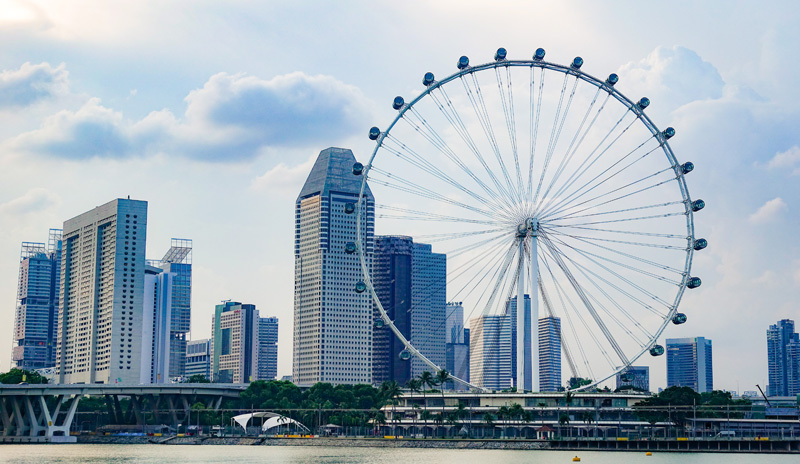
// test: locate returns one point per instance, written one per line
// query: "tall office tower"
(634, 376)
(178, 261)
(456, 345)
(332, 322)
(511, 315)
(234, 343)
(198, 358)
(391, 277)
(689, 364)
(268, 348)
(793, 368)
(490, 351)
(156, 320)
(37, 304)
(428, 306)
(779, 336)
(99, 337)
(549, 353)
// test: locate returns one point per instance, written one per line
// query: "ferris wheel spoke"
(564, 297)
(511, 123)
(621, 264)
(555, 253)
(501, 281)
(416, 215)
(634, 285)
(453, 117)
(594, 155)
(610, 221)
(429, 133)
(575, 144)
(479, 107)
(589, 240)
(625, 232)
(435, 238)
(653, 310)
(574, 214)
(555, 133)
(398, 183)
(534, 131)
(579, 193)
(466, 248)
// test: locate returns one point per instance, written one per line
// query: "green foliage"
(577, 382)
(196, 378)
(563, 419)
(17, 376)
(673, 404)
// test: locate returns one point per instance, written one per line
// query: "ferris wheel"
(542, 183)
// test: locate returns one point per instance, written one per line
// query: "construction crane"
(765, 396)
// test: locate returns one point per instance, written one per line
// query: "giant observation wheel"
(537, 179)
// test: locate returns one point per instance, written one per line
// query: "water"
(86, 454)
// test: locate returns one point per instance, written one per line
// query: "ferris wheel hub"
(530, 225)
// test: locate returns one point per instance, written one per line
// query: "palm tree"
(425, 416)
(460, 413)
(503, 413)
(515, 411)
(414, 386)
(426, 379)
(391, 391)
(489, 419)
(441, 378)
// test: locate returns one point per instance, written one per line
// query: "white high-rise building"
(332, 322)
(99, 334)
(156, 325)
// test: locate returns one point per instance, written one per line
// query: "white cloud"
(33, 201)
(232, 117)
(31, 83)
(283, 178)
(769, 211)
(787, 160)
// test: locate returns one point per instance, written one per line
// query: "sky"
(213, 112)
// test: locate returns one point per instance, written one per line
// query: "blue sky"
(213, 112)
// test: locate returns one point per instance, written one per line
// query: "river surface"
(86, 453)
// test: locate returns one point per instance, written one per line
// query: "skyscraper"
(37, 304)
(689, 363)
(332, 322)
(234, 343)
(782, 359)
(457, 345)
(549, 354)
(428, 306)
(156, 320)
(490, 351)
(391, 277)
(178, 261)
(102, 283)
(198, 358)
(268, 348)
(634, 376)
(454, 324)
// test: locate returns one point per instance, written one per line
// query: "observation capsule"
(679, 318)
(577, 63)
(612, 79)
(687, 167)
(538, 55)
(500, 54)
(626, 377)
(349, 208)
(358, 169)
(644, 102)
(428, 79)
(361, 286)
(699, 244)
(374, 133)
(656, 350)
(697, 205)
(350, 248)
(694, 282)
(379, 323)
(405, 355)
(463, 62)
(668, 133)
(398, 102)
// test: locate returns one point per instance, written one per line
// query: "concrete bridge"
(44, 413)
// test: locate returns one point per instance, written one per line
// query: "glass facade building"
(267, 348)
(637, 376)
(689, 363)
(198, 355)
(37, 304)
(549, 354)
(783, 359)
(234, 343)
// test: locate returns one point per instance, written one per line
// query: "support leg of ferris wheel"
(527, 328)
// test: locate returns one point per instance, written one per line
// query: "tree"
(425, 416)
(516, 411)
(390, 391)
(413, 385)
(503, 413)
(196, 378)
(489, 418)
(17, 376)
(426, 379)
(672, 404)
(577, 382)
(441, 378)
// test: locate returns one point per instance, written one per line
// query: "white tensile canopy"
(273, 420)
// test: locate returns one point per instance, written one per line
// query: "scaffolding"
(32, 249)
(54, 240)
(179, 252)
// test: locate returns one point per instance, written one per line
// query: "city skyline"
(716, 88)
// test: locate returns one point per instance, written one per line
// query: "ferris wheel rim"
(601, 85)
